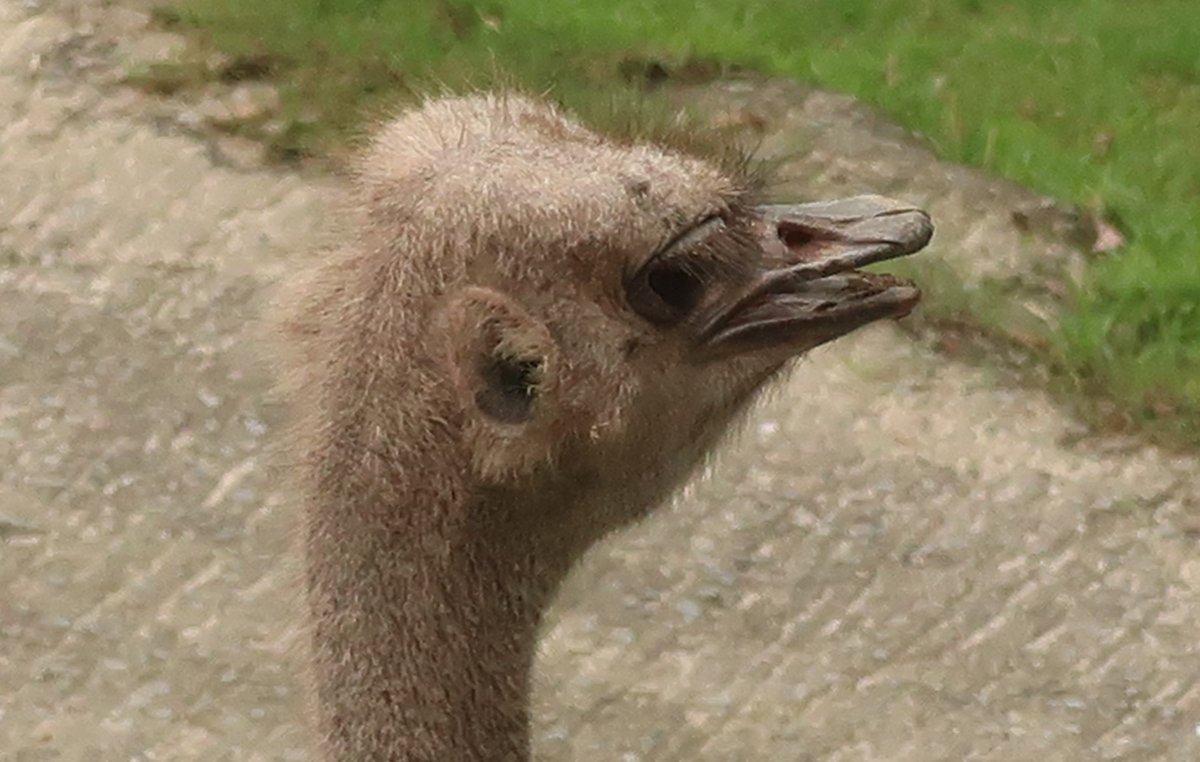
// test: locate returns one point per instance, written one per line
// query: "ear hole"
(509, 387)
(504, 362)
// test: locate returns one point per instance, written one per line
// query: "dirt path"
(905, 558)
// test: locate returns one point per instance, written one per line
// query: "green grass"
(1096, 102)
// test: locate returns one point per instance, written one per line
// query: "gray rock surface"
(904, 557)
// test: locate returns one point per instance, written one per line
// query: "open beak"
(808, 289)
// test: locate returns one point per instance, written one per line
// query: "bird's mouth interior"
(809, 288)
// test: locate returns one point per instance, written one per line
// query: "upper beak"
(808, 289)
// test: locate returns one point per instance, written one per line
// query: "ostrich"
(532, 336)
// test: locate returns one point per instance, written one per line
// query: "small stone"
(689, 609)
(144, 50)
(118, 19)
(11, 527)
(251, 100)
(1189, 572)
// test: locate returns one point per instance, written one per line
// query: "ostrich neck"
(425, 616)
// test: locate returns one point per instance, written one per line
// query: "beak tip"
(924, 229)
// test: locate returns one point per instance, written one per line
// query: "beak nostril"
(795, 237)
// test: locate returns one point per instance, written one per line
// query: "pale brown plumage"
(532, 337)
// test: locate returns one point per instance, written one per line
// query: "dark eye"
(665, 292)
(675, 286)
(671, 284)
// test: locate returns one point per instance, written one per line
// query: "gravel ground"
(905, 556)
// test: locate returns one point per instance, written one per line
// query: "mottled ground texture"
(904, 558)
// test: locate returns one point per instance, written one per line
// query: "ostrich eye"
(509, 388)
(671, 292)
(672, 283)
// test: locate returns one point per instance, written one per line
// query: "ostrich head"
(531, 336)
(587, 314)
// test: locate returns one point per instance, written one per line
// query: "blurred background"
(1095, 102)
(970, 536)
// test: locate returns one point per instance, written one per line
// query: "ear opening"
(508, 381)
(505, 365)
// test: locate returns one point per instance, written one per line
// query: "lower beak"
(809, 288)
